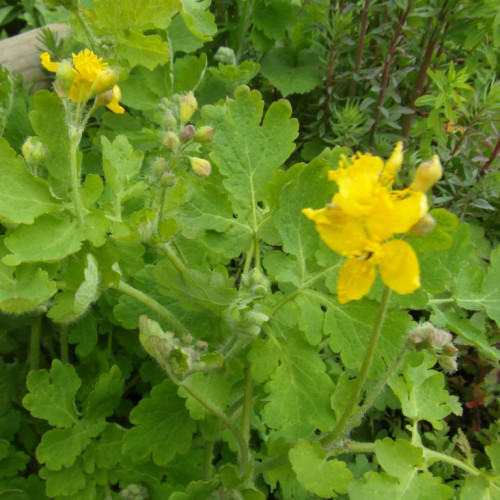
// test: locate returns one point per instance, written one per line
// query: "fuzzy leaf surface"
(246, 152)
(24, 197)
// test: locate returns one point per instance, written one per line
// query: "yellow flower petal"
(356, 277)
(399, 267)
(394, 215)
(114, 104)
(47, 63)
(341, 232)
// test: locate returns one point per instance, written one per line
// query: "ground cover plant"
(249, 250)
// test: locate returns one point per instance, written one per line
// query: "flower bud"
(104, 98)
(448, 364)
(33, 151)
(105, 80)
(428, 173)
(65, 75)
(394, 162)
(200, 167)
(169, 119)
(187, 133)
(187, 107)
(171, 141)
(225, 55)
(424, 226)
(204, 134)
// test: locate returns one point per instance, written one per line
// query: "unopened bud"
(424, 226)
(204, 134)
(450, 350)
(169, 119)
(225, 55)
(33, 151)
(448, 364)
(105, 80)
(187, 107)
(171, 141)
(187, 133)
(428, 173)
(200, 167)
(394, 162)
(104, 98)
(65, 75)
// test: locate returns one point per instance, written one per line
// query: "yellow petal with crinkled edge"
(341, 232)
(356, 277)
(399, 267)
(47, 63)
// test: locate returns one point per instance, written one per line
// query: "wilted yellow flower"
(91, 76)
(361, 222)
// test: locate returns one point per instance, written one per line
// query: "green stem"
(172, 257)
(355, 420)
(248, 259)
(247, 404)
(208, 453)
(152, 304)
(340, 429)
(35, 337)
(63, 340)
(86, 28)
(242, 28)
(257, 251)
(74, 141)
(243, 450)
(270, 464)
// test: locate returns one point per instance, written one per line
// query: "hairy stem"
(243, 450)
(208, 452)
(74, 141)
(340, 429)
(172, 257)
(152, 304)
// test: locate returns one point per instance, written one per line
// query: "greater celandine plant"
(268, 372)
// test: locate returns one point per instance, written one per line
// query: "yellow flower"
(361, 222)
(91, 76)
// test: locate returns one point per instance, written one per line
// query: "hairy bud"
(427, 174)
(200, 167)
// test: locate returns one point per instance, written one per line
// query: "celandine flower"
(361, 221)
(91, 76)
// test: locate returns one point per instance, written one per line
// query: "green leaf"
(66, 482)
(350, 326)
(404, 477)
(88, 291)
(274, 18)
(130, 14)
(49, 239)
(188, 72)
(465, 329)
(246, 152)
(163, 427)
(106, 395)
(144, 50)
(299, 391)
(121, 163)
(290, 72)
(23, 288)
(24, 197)
(61, 447)
(198, 19)
(195, 289)
(108, 446)
(476, 487)
(316, 473)
(212, 386)
(488, 297)
(52, 394)
(49, 123)
(84, 333)
(421, 391)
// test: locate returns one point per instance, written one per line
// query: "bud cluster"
(440, 342)
(181, 356)
(134, 492)
(180, 136)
